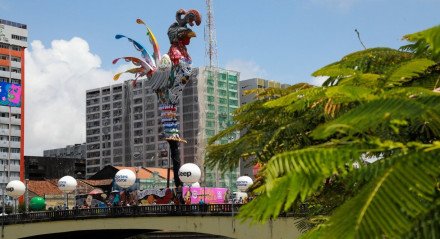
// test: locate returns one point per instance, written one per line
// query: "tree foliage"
(376, 104)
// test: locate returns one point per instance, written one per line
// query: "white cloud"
(56, 81)
(247, 69)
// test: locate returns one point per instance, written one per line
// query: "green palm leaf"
(293, 175)
(426, 40)
(407, 71)
(388, 206)
(374, 114)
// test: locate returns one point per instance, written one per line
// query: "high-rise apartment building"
(13, 41)
(250, 84)
(208, 104)
(124, 126)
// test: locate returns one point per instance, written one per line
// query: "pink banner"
(208, 195)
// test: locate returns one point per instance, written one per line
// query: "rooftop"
(13, 24)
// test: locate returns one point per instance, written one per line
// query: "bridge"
(214, 219)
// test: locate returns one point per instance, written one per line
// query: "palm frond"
(407, 71)
(296, 175)
(376, 113)
(388, 206)
(426, 40)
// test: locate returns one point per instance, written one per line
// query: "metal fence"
(131, 211)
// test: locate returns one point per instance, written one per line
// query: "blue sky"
(71, 45)
(283, 40)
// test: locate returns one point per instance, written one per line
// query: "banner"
(206, 194)
(160, 192)
(10, 94)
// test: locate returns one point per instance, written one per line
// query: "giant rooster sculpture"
(168, 74)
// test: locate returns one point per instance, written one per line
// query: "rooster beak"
(191, 34)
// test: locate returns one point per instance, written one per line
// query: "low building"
(37, 167)
(54, 197)
(146, 177)
(70, 151)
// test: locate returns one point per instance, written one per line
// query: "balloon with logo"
(243, 183)
(15, 188)
(125, 178)
(189, 173)
(67, 184)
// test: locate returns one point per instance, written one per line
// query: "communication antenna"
(210, 38)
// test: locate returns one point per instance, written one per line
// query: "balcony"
(15, 156)
(14, 168)
(15, 121)
(15, 132)
(16, 65)
(3, 155)
(15, 75)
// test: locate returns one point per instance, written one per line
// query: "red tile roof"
(162, 172)
(141, 174)
(43, 187)
(97, 182)
(50, 186)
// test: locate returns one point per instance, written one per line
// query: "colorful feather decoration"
(152, 39)
(145, 54)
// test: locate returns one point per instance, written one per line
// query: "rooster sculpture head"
(179, 32)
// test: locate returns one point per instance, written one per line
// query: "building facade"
(70, 151)
(13, 41)
(123, 127)
(37, 167)
(208, 104)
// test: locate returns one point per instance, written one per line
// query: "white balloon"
(125, 178)
(15, 188)
(244, 182)
(189, 173)
(67, 184)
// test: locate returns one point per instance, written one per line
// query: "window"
(15, 48)
(16, 59)
(138, 101)
(15, 150)
(20, 38)
(117, 151)
(117, 143)
(15, 70)
(117, 135)
(138, 140)
(3, 150)
(15, 138)
(4, 115)
(138, 125)
(15, 127)
(117, 97)
(15, 81)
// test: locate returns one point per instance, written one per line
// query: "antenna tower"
(210, 38)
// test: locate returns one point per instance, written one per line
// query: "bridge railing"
(153, 210)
